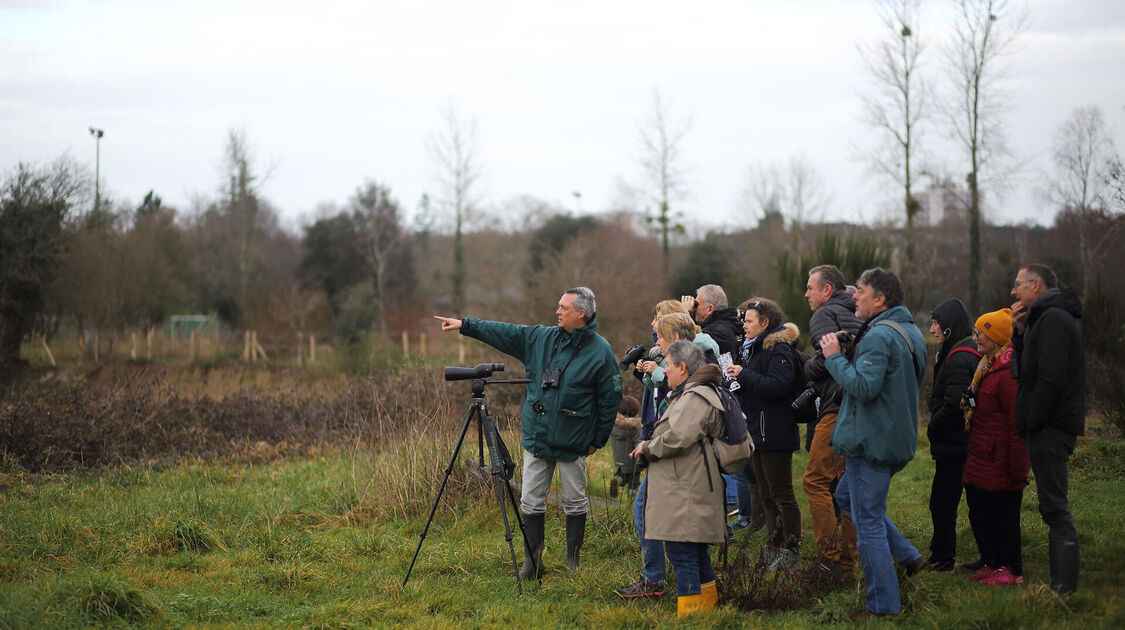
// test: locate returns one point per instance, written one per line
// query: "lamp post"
(97, 133)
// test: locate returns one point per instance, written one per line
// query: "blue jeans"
(862, 496)
(692, 564)
(652, 551)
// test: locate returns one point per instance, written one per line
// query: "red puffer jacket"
(997, 456)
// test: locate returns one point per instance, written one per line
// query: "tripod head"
(479, 374)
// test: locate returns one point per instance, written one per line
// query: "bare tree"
(453, 150)
(1085, 158)
(381, 238)
(661, 138)
(796, 191)
(897, 107)
(982, 34)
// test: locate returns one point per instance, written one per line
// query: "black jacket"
(726, 329)
(838, 313)
(767, 386)
(954, 366)
(1048, 364)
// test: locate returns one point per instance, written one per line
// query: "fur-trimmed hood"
(787, 333)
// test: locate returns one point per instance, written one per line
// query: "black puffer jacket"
(726, 329)
(954, 366)
(767, 387)
(838, 313)
(1049, 366)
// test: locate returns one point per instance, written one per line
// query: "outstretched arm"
(448, 323)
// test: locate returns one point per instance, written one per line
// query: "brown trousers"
(835, 535)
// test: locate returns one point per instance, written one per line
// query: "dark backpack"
(733, 446)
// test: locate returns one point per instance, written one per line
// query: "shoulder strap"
(962, 349)
(909, 344)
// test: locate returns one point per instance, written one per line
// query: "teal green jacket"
(878, 417)
(577, 414)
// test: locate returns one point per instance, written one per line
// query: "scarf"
(983, 369)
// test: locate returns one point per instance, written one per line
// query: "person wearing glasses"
(1048, 363)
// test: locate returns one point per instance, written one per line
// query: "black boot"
(575, 532)
(1063, 555)
(533, 550)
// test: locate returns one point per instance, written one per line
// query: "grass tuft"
(98, 597)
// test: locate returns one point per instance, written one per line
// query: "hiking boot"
(641, 588)
(823, 571)
(786, 560)
(768, 555)
(973, 567)
(1003, 577)
(740, 525)
(914, 566)
(984, 572)
(939, 566)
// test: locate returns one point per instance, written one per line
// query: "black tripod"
(501, 467)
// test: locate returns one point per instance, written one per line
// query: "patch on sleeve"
(616, 382)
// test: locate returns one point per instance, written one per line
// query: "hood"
(785, 333)
(953, 318)
(708, 374)
(1066, 299)
(842, 299)
(706, 342)
(725, 317)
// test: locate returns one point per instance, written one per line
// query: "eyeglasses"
(1017, 283)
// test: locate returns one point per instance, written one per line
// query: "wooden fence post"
(133, 345)
(148, 340)
(405, 345)
(312, 348)
(301, 348)
(193, 350)
(460, 349)
(47, 349)
(258, 347)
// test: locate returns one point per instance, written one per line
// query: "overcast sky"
(333, 93)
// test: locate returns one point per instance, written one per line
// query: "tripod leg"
(496, 455)
(474, 409)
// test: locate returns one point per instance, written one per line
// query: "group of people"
(1007, 397)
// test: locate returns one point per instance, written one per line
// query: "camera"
(631, 356)
(551, 378)
(806, 398)
(845, 337)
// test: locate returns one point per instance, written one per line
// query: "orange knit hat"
(997, 326)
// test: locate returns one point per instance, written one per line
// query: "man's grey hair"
(687, 353)
(713, 294)
(883, 282)
(831, 275)
(584, 301)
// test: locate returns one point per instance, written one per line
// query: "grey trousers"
(1049, 451)
(537, 475)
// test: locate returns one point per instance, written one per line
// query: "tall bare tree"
(983, 33)
(897, 108)
(453, 150)
(1085, 158)
(661, 137)
(381, 240)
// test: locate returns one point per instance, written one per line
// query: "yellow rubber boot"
(710, 593)
(687, 604)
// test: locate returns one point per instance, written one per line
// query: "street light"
(97, 133)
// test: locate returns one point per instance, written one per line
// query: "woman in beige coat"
(684, 496)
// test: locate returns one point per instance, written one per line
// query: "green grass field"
(324, 541)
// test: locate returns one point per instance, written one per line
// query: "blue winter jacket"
(878, 418)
